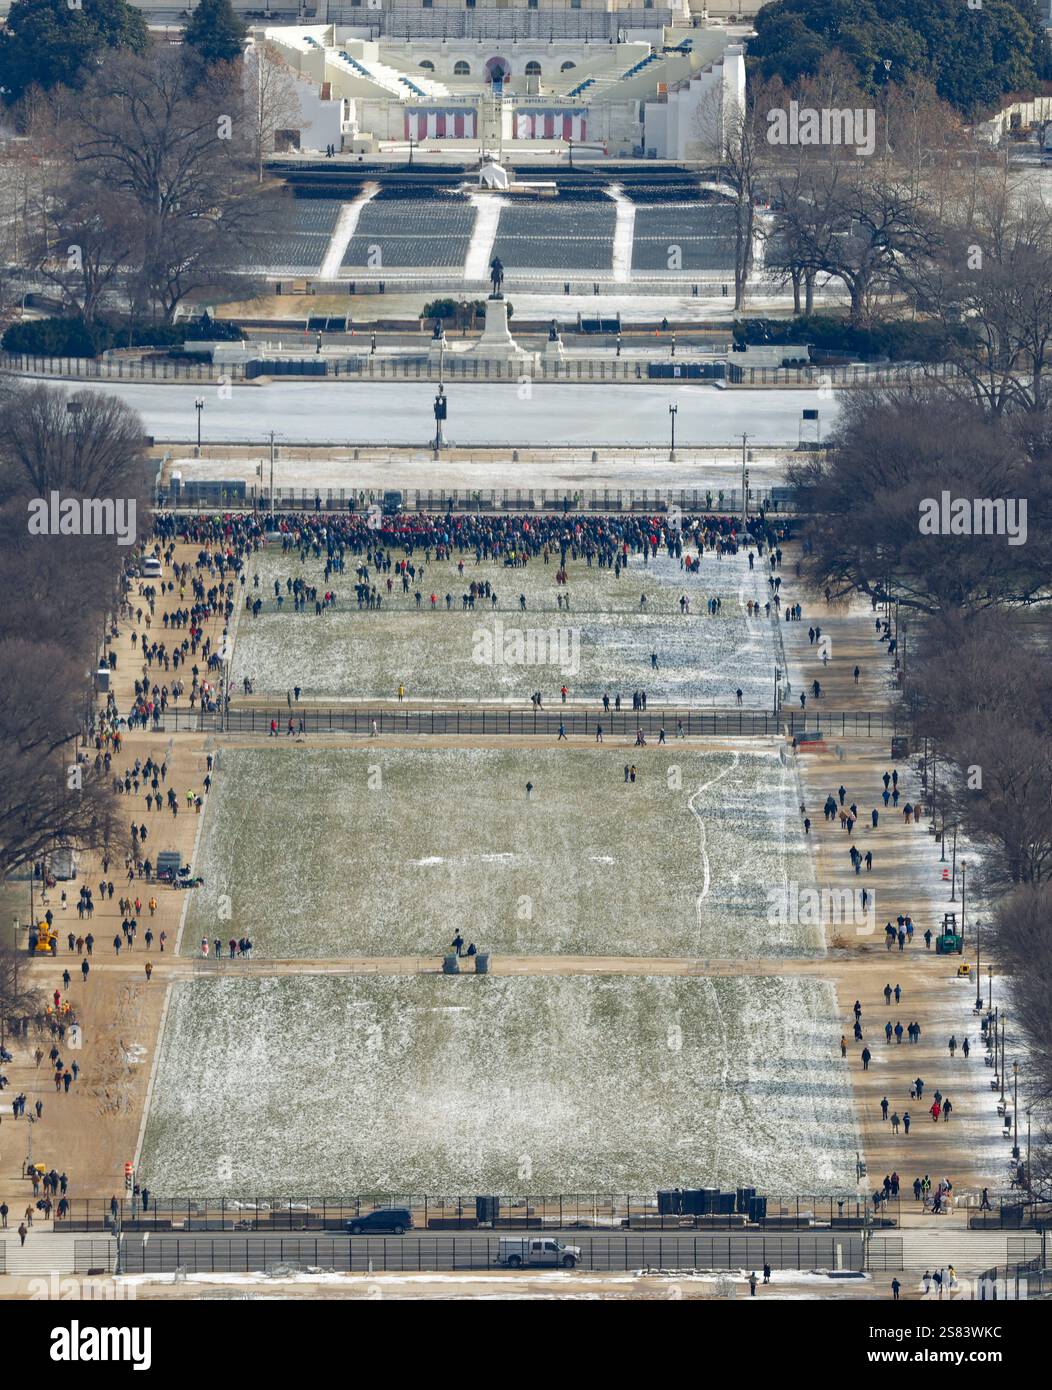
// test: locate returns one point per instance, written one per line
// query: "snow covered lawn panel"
(334, 1086)
(608, 641)
(327, 852)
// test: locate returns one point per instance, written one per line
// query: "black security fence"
(696, 1209)
(406, 718)
(94, 1256)
(222, 1254)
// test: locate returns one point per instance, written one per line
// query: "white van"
(151, 568)
(515, 1252)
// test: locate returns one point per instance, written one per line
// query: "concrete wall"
(686, 123)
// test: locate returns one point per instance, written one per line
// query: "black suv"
(396, 1220)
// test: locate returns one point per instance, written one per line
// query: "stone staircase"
(968, 1251)
(46, 1251)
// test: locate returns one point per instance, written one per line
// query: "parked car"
(395, 1220)
(517, 1251)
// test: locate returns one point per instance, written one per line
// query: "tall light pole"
(745, 482)
(199, 406)
(953, 872)
(1004, 1020)
(440, 415)
(271, 491)
(964, 871)
(978, 967)
(1015, 1110)
(673, 410)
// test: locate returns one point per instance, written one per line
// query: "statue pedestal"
(496, 342)
(436, 348)
(553, 350)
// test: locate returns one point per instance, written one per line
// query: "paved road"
(222, 1253)
(401, 413)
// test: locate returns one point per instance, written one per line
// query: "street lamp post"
(964, 872)
(440, 415)
(953, 873)
(1015, 1110)
(1004, 1018)
(745, 481)
(672, 410)
(978, 967)
(271, 490)
(199, 406)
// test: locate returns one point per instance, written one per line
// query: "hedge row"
(72, 337)
(919, 341)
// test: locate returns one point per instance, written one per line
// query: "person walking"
(906, 1122)
(895, 1285)
(866, 1056)
(752, 1281)
(22, 1235)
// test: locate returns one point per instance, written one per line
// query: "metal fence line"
(414, 1254)
(403, 719)
(362, 367)
(198, 496)
(598, 1213)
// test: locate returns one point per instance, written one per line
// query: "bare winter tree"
(272, 99)
(88, 239)
(993, 277)
(1023, 946)
(19, 997)
(861, 224)
(58, 590)
(176, 141)
(734, 134)
(893, 451)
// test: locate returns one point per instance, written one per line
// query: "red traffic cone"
(945, 875)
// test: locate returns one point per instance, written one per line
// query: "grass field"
(340, 852)
(347, 653)
(331, 1086)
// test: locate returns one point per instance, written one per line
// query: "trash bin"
(451, 964)
(482, 963)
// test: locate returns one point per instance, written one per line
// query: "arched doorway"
(498, 71)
